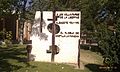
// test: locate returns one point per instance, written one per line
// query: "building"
(11, 23)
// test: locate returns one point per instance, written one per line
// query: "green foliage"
(9, 35)
(8, 43)
(1, 33)
(108, 38)
(49, 5)
(5, 7)
(8, 39)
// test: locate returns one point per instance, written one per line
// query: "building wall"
(11, 23)
(27, 31)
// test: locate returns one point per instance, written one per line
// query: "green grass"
(47, 67)
(14, 60)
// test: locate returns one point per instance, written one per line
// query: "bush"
(8, 43)
(8, 39)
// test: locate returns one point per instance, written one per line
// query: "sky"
(28, 4)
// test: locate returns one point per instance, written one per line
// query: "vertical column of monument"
(53, 37)
(41, 21)
(79, 53)
(79, 45)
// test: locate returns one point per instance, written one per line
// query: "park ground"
(14, 60)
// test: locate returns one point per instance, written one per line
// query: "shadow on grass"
(10, 57)
(93, 67)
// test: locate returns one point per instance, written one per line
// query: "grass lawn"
(14, 60)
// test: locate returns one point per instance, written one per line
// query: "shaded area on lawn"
(93, 67)
(14, 60)
(10, 58)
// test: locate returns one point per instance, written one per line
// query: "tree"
(102, 17)
(20, 8)
(108, 33)
(5, 10)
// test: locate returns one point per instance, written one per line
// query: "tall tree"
(108, 29)
(103, 18)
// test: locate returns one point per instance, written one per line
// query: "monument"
(67, 34)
